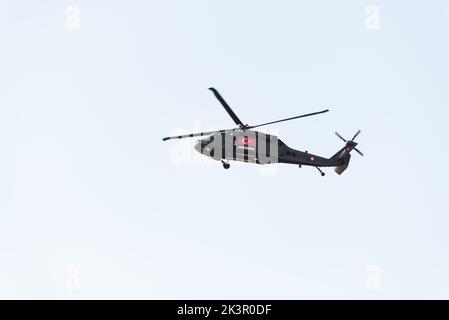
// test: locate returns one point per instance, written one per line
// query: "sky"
(94, 205)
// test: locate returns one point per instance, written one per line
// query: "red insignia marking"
(246, 141)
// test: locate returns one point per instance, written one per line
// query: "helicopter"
(247, 145)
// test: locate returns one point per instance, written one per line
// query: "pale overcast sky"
(94, 205)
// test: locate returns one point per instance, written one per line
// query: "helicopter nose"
(198, 146)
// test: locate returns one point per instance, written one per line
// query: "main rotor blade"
(287, 119)
(355, 136)
(227, 107)
(338, 135)
(199, 134)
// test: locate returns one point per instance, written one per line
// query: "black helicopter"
(247, 145)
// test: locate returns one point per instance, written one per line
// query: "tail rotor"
(350, 144)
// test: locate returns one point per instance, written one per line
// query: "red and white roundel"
(246, 141)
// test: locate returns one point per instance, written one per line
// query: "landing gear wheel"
(321, 171)
(226, 165)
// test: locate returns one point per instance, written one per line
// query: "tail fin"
(343, 156)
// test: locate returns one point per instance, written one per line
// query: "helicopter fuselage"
(257, 147)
